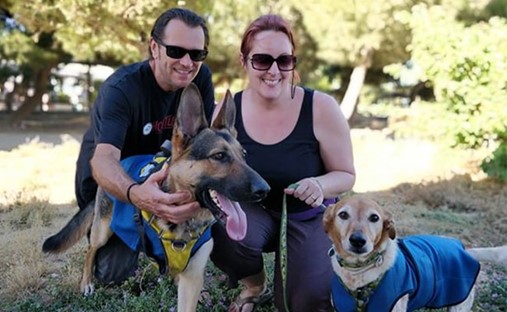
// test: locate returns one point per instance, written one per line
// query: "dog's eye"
(374, 218)
(218, 156)
(343, 215)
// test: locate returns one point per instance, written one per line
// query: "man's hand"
(174, 207)
(107, 171)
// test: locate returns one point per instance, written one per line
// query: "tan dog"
(377, 272)
(208, 162)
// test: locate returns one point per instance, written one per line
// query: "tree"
(107, 32)
(35, 60)
(466, 65)
(360, 35)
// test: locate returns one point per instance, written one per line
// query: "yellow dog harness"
(178, 251)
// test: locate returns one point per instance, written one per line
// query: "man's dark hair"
(186, 16)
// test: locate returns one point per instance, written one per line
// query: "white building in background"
(73, 78)
(98, 72)
(69, 92)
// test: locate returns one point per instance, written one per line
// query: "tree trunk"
(41, 81)
(9, 98)
(351, 97)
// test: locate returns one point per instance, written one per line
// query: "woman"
(296, 137)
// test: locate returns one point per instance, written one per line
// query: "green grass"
(144, 292)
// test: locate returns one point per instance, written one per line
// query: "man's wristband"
(128, 191)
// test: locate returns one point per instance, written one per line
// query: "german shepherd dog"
(375, 271)
(208, 162)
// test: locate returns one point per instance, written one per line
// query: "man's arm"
(109, 174)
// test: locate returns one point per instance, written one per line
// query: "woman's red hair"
(263, 23)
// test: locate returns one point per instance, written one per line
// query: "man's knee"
(115, 262)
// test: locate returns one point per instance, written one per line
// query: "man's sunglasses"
(265, 61)
(176, 52)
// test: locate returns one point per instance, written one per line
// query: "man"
(134, 114)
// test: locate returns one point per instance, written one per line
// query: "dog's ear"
(226, 115)
(328, 218)
(190, 118)
(388, 225)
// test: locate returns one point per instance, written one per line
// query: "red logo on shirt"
(166, 123)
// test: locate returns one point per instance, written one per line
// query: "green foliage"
(497, 8)
(466, 66)
(110, 31)
(496, 165)
(344, 28)
(20, 48)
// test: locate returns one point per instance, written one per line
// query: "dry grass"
(430, 188)
(36, 198)
(40, 170)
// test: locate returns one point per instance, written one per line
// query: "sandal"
(238, 304)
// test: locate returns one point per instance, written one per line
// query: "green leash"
(283, 247)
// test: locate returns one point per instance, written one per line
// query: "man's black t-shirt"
(135, 115)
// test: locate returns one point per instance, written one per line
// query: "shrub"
(466, 66)
(496, 165)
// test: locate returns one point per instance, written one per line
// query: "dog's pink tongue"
(236, 218)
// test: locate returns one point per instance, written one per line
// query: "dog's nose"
(260, 188)
(357, 240)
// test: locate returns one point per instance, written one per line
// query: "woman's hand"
(307, 190)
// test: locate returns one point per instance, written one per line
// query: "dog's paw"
(87, 289)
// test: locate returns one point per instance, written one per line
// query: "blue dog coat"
(123, 224)
(435, 271)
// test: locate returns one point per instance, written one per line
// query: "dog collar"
(374, 260)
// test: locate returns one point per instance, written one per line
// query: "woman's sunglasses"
(265, 61)
(176, 52)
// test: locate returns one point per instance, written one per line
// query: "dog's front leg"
(401, 305)
(466, 305)
(191, 280)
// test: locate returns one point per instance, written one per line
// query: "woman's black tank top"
(286, 162)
